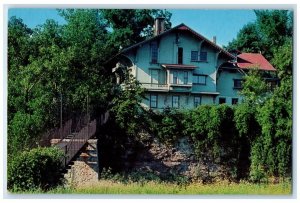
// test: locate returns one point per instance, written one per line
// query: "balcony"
(180, 87)
(156, 87)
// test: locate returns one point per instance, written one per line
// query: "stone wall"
(153, 157)
(179, 159)
(85, 169)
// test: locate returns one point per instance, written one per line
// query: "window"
(175, 101)
(185, 77)
(234, 101)
(203, 56)
(237, 83)
(154, 76)
(194, 55)
(197, 101)
(222, 100)
(180, 55)
(153, 101)
(199, 79)
(154, 52)
(175, 77)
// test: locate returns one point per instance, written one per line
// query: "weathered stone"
(85, 170)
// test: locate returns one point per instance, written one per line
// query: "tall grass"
(109, 187)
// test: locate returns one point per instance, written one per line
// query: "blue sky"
(224, 24)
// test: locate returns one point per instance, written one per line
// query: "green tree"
(248, 40)
(266, 34)
(126, 107)
(18, 42)
(273, 156)
(86, 36)
(255, 89)
(32, 87)
(130, 26)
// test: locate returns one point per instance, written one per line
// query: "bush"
(39, 168)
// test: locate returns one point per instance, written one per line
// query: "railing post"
(66, 154)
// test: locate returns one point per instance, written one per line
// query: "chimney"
(214, 39)
(159, 25)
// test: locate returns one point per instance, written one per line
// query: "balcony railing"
(155, 86)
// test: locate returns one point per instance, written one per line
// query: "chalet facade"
(180, 68)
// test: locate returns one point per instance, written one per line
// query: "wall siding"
(167, 54)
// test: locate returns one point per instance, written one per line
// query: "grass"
(109, 187)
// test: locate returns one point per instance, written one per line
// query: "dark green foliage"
(248, 40)
(214, 136)
(132, 25)
(18, 42)
(166, 126)
(126, 108)
(120, 134)
(255, 89)
(37, 168)
(53, 66)
(275, 117)
(270, 31)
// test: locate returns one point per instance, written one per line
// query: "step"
(70, 136)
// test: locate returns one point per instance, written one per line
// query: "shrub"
(37, 168)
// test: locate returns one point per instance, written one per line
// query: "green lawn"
(109, 187)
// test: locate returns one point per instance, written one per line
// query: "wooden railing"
(56, 133)
(74, 145)
(71, 138)
(78, 140)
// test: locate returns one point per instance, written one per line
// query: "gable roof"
(254, 60)
(181, 27)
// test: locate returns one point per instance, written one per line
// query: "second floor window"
(175, 77)
(198, 56)
(154, 76)
(203, 56)
(175, 101)
(180, 55)
(185, 77)
(194, 56)
(154, 52)
(199, 79)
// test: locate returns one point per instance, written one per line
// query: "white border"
(213, 4)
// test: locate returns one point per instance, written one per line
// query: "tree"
(266, 117)
(86, 37)
(32, 99)
(276, 119)
(130, 26)
(248, 40)
(255, 89)
(18, 42)
(266, 34)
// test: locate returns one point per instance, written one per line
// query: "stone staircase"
(84, 169)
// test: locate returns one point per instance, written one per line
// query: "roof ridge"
(171, 29)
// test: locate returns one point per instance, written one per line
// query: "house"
(180, 68)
